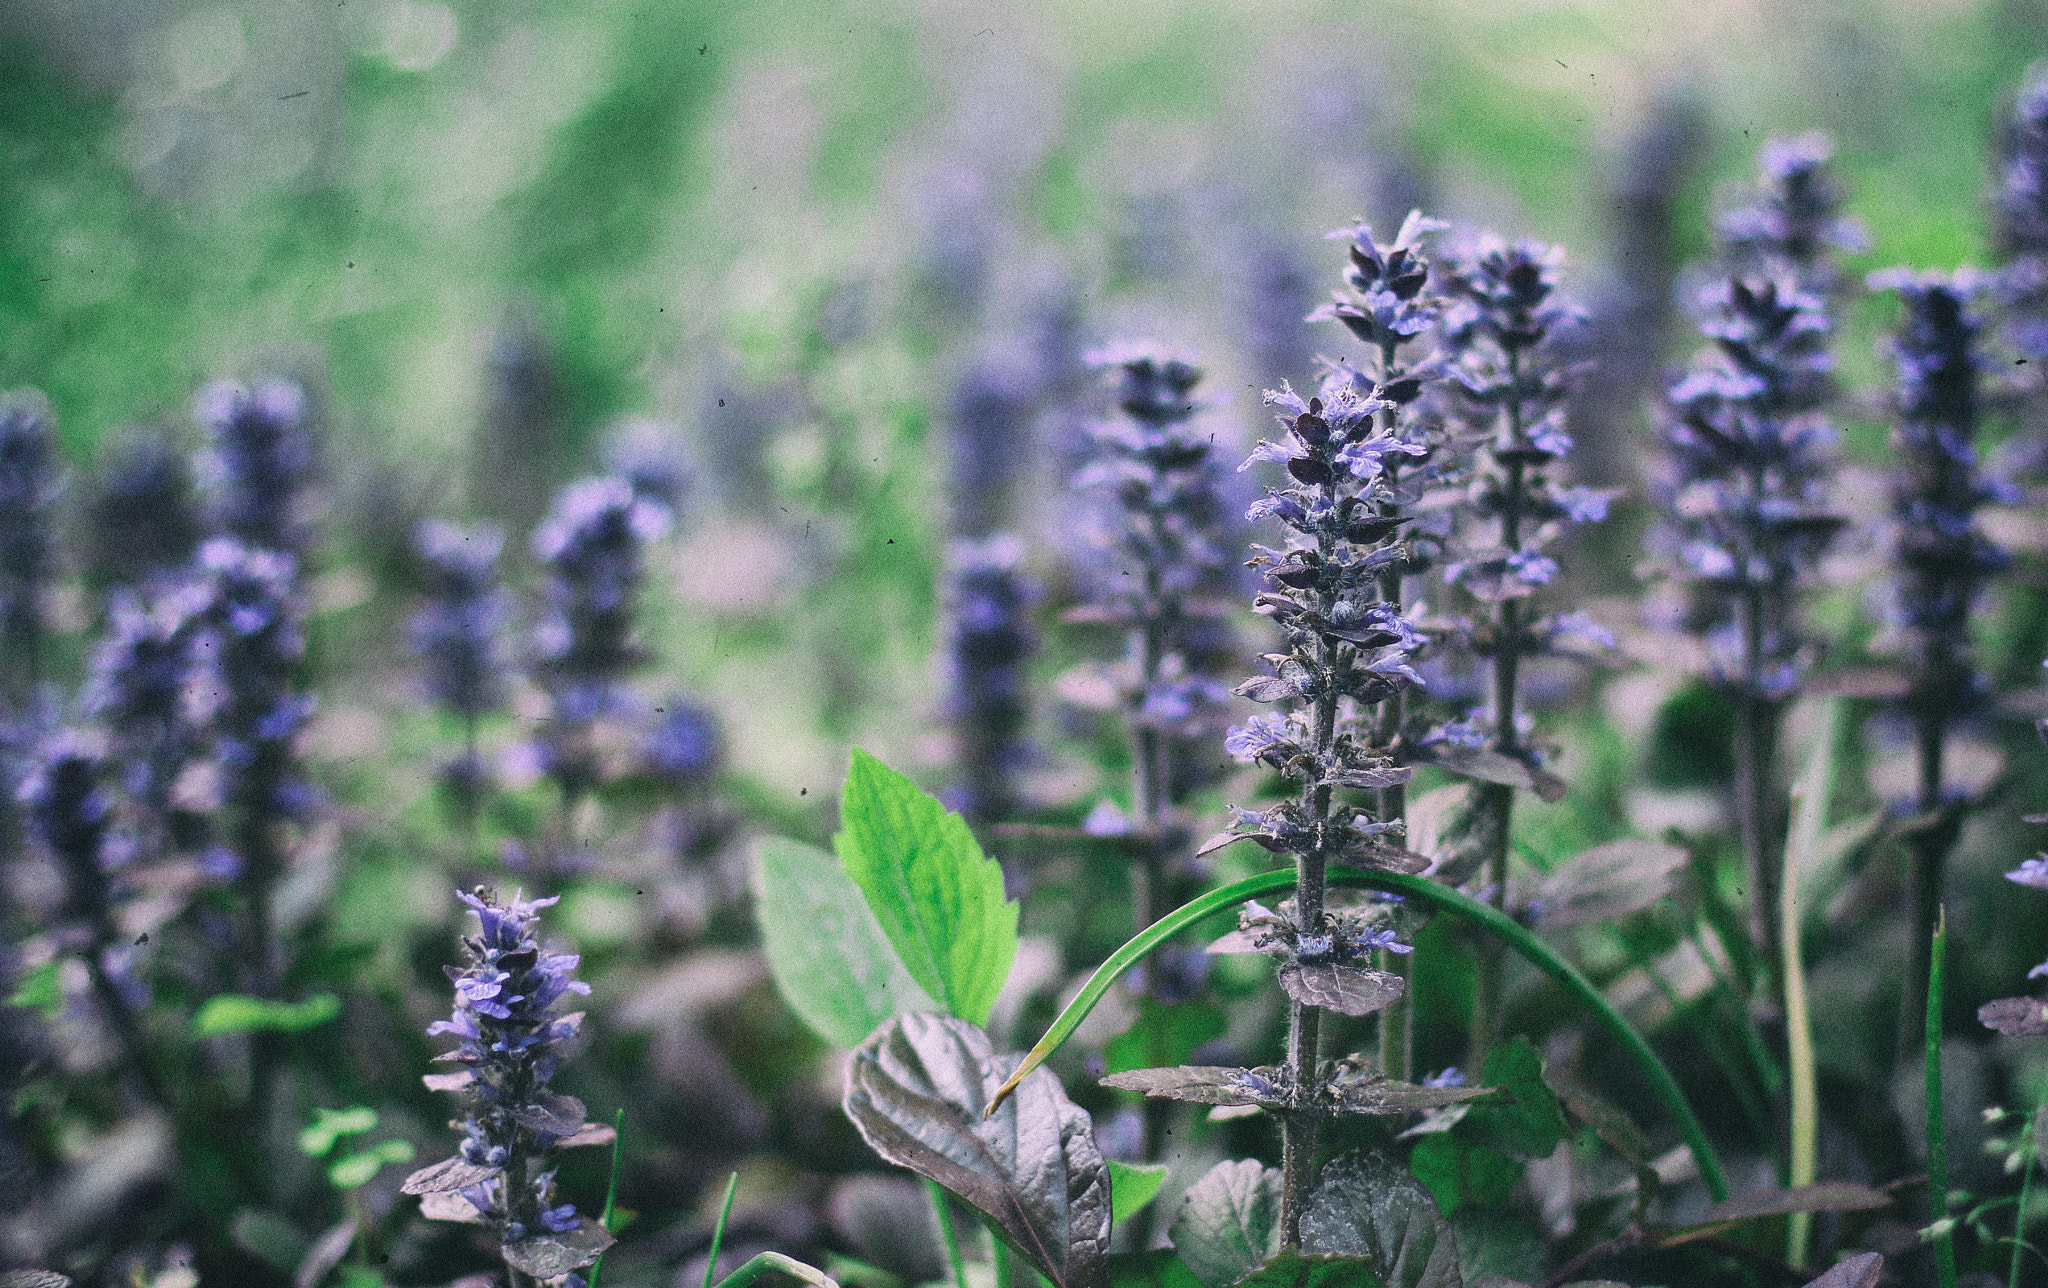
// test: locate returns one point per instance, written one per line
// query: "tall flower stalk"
(1500, 334)
(70, 815)
(1347, 653)
(28, 490)
(457, 635)
(989, 639)
(1749, 449)
(509, 1038)
(1390, 303)
(1942, 561)
(1164, 552)
(593, 553)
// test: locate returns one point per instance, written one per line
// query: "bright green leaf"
(1159, 1268)
(237, 1013)
(330, 1125)
(1165, 1036)
(1132, 1186)
(827, 952)
(1461, 1175)
(40, 990)
(357, 1169)
(1529, 1126)
(936, 896)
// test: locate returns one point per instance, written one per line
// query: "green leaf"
(1530, 1126)
(1159, 1268)
(1291, 1269)
(357, 1169)
(1365, 1206)
(237, 1013)
(1229, 1223)
(40, 990)
(1132, 1186)
(1164, 1036)
(1460, 1175)
(916, 1088)
(330, 1125)
(1497, 1243)
(828, 955)
(937, 897)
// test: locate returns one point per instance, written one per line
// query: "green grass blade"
(1937, 1130)
(1810, 796)
(1438, 899)
(718, 1239)
(611, 1190)
(763, 1262)
(947, 1235)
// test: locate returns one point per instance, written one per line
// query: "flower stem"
(1937, 1137)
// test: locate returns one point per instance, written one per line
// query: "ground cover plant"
(1398, 763)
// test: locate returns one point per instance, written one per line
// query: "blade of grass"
(718, 1234)
(1439, 899)
(1937, 1133)
(763, 1262)
(1810, 797)
(611, 1191)
(944, 1216)
(2019, 1220)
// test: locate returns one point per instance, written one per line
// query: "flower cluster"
(1748, 453)
(145, 690)
(683, 752)
(457, 634)
(1162, 538)
(593, 547)
(509, 1039)
(1942, 557)
(1500, 327)
(989, 639)
(1344, 641)
(144, 518)
(259, 463)
(593, 552)
(28, 489)
(1793, 224)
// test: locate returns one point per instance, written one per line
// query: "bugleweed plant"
(1439, 1024)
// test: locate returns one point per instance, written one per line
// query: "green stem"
(1937, 1134)
(1809, 817)
(718, 1232)
(944, 1216)
(1438, 899)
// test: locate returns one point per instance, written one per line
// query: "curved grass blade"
(763, 1262)
(1438, 899)
(611, 1190)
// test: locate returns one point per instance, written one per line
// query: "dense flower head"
(686, 745)
(2020, 192)
(1386, 304)
(457, 633)
(1941, 555)
(1502, 326)
(1162, 529)
(259, 462)
(593, 547)
(144, 517)
(989, 639)
(509, 1034)
(70, 815)
(1743, 489)
(1793, 223)
(28, 489)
